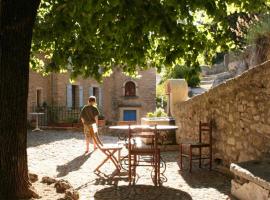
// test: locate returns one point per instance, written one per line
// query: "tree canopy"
(89, 38)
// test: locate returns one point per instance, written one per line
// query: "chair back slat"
(205, 128)
(94, 133)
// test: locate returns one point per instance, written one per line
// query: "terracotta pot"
(101, 122)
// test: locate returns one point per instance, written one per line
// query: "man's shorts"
(88, 131)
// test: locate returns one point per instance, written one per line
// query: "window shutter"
(100, 93)
(91, 91)
(69, 96)
(81, 96)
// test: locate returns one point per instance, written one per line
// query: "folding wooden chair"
(107, 149)
(206, 129)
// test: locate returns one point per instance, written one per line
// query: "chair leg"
(129, 169)
(156, 169)
(190, 159)
(110, 155)
(158, 165)
(181, 158)
(210, 157)
(200, 157)
(119, 156)
(134, 169)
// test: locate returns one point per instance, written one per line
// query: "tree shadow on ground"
(200, 177)
(72, 165)
(203, 178)
(101, 180)
(47, 136)
(104, 179)
(142, 192)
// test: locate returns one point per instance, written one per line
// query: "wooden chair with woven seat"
(109, 150)
(186, 148)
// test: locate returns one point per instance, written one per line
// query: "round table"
(37, 114)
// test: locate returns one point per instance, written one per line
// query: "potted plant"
(159, 113)
(101, 120)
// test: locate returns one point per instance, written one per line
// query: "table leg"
(37, 127)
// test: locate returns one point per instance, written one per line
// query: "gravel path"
(60, 154)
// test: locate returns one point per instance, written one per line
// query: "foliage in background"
(239, 24)
(89, 38)
(218, 58)
(259, 30)
(190, 74)
(259, 37)
(159, 112)
(161, 97)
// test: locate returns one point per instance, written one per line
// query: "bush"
(159, 112)
(259, 35)
(258, 30)
(191, 74)
(218, 58)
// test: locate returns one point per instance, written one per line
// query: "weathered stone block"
(249, 191)
(231, 141)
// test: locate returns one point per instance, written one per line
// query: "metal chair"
(135, 154)
(186, 148)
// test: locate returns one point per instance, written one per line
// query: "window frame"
(134, 87)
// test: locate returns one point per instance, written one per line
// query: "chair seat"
(196, 144)
(195, 157)
(143, 151)
(111, 147)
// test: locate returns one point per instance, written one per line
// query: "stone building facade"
(240, 112)
(120, 104)
(114, 99)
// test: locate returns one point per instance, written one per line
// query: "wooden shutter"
(91, 91)
(100, 92)
(69, 96)
(81, 96)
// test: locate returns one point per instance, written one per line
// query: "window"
(74, 96)
(97, 92)
(130, 89)
(130, 115)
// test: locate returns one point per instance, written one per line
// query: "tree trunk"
(16, 25)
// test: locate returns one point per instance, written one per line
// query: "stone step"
(209, 78)
(203, 82)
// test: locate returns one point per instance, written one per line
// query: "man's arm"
(81, 114)
(96, 119)
(82, 120)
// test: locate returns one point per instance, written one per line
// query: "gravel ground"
(60, 154)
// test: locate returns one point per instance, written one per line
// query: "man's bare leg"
(87, 142)
(94, 144)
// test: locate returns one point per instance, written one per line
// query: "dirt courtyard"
(60, 154)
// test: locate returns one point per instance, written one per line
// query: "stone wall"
(240, 111)
(37, 81)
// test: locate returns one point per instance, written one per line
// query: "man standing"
(89, 116)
